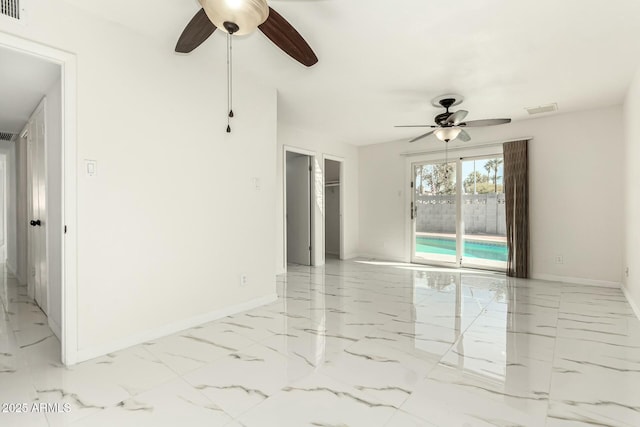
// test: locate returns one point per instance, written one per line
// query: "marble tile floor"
(355, 343)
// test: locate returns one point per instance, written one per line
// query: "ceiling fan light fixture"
(234, 4)
(447, 134)
(245, 14)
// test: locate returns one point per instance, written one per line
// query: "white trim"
(68, 70)
(11, 269)
(4, 159)
(312, 158)
(181, 325)
(383, 258)
(298, 150)
(57, 330)
(576, 280)
(43, 106)
(631, 301)
(351, 256)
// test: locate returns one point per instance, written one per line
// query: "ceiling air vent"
(10, 8)
(6, 136)
(549, 108)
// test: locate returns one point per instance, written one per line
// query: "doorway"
(458, 213)
(59, 200)
(333, 194)
(298, 208)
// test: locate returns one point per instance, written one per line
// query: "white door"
(298, 209)
(37, 237)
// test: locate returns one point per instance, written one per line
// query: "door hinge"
(310, 168)
(65, 229)
(411, 184)
(309, 247)
(411, 210)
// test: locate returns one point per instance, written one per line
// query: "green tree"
(473, 182)
(439, 179)
(492, 166)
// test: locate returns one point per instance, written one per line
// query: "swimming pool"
(495, 251)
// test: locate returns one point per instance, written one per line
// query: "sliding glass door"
(434, 212)
(483, 225)
(458, 213)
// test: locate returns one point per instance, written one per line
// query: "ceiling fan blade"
(464, 136)
(416, 126)
(457, 117)
(488, 122)
(422, 136)
(195, 33)
(283, 35)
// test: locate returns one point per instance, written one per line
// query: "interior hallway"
(355, 343)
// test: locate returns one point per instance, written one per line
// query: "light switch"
(91, 167)
(256, 183)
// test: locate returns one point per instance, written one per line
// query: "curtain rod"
(464, 148)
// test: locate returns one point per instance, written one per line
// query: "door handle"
(35, 223)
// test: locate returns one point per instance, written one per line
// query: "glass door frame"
(414, 216)
(485, 152)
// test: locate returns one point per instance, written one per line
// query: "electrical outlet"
(244, 280)
(559, 259)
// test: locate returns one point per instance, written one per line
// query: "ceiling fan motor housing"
(441, 119)
(237, 17)
(447, 102)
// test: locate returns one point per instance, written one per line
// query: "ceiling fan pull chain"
(446, 161)
(229, 81)
(231, 75)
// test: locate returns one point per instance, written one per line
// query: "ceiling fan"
(238, 17)
(449, 125)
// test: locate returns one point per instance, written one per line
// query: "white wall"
(164, 227)
(631, 168)
(575, 189)
(291, 136)
(53, 148)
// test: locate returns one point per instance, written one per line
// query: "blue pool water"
(495, 251)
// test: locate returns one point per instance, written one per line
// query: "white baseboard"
(14, 272)
(631, 301)
(11, 268)
(383, 258)
(577, 280)
(57, 330)
(101, 350)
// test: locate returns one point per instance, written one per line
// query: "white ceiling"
(382, 62)
(24, 80)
